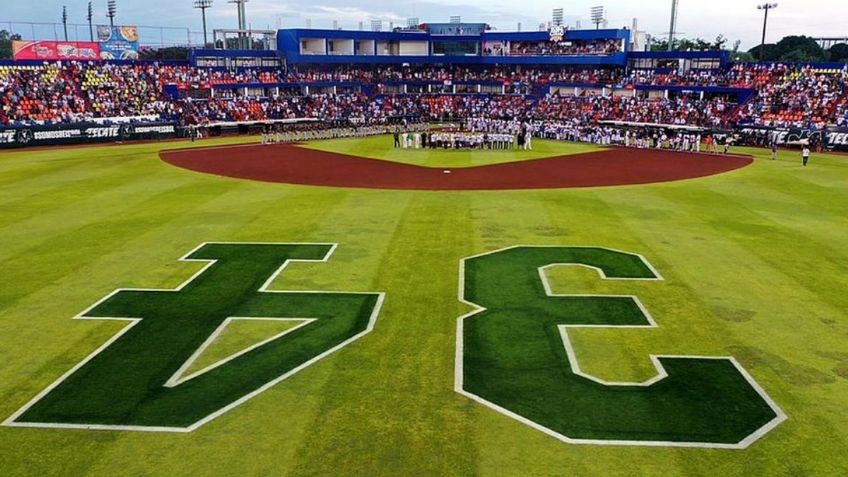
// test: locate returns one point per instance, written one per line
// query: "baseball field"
(228, 325)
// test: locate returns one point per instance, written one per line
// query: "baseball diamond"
(515, 247)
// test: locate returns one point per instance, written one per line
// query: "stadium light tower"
(242, 21)
(557, 16)
(672, 28)
(111, 11)
(65, 20)
(598, 16)
(203, 5)
(765, 7)
(90, 18)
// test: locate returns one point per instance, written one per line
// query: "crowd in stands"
(190, 76)
(800, 97)
(783, 95)
(565, 48)
(682, 110)
(604, 134)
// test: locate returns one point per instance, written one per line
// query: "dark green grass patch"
(515, 357)
(124, 385)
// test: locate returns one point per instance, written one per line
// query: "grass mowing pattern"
(754, 265)
(514, 357)
(124, 384)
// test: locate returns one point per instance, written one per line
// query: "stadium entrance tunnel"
(290, 164)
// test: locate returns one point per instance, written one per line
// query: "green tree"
(6, 39)
(839, 52)
(792, 48)
(772, 52)
(690, 44)
(801, 48)
(169, 53)
(743, 57)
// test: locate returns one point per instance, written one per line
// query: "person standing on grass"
(805, 154)
(397, 139)
(773, 150)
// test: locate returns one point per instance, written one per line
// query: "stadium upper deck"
(455, 43)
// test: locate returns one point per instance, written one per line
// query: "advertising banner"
(118, 42)
(55, 50)
(86, 133)
(832, 139)
(836, 139)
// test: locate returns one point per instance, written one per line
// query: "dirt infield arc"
(291, 164)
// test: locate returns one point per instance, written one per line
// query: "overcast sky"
(736, 19)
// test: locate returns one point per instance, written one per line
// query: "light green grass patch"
(382, 147)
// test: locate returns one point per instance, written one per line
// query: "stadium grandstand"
(432, 72)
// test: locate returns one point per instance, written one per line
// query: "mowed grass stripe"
(788, 250)
(698, 311)
(32, 168)
(127, 265)
(582, 218)
(807, 191)
(754, 325)
(67, 193)
(74, 274)
(45, 258)
(97, 203)
(280, 216)
(405, 399)
(508, 447)
(39, 167)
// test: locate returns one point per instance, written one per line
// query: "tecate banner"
(836, 139)
(118, 42)
(832, 139)
(55, 50)
(87, 133)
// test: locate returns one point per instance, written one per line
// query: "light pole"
(597, 14)
(65, 20)
(672, 28)
(203, 5)
(765, 7)
(111, 11)
(242, 22)
(90, 19)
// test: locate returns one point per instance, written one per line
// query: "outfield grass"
(754, 263)
(381, 147)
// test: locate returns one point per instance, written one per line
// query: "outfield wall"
(831, 139)
(84, 133)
